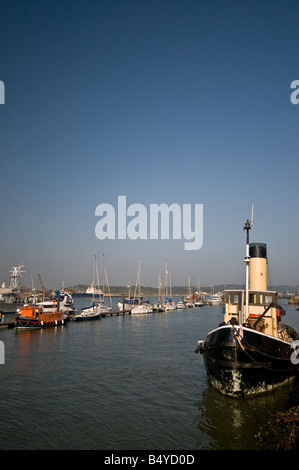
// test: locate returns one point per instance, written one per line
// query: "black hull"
(31, 323)
(87, 318)
(245, 362)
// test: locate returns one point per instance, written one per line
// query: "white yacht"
(216, 299)
(142, 309)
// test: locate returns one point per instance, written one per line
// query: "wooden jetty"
(113, 313)
(8, 320)
(110, 313)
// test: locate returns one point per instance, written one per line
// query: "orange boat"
(33, 316)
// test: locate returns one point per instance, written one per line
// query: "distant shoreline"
(122, 291)
(149, 291)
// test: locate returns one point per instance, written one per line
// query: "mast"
(94, 277)
(198, 284)
(160, 288)
(105, 279)
(138, 280)
(247, 227)
(166, 273)
(129, 288)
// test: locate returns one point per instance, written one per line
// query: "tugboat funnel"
(258, 266)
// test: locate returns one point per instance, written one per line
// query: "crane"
(42, 286)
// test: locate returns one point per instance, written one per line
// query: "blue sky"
(163, 101)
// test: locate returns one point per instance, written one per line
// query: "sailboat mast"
(94, 276)
(160, 288)
(139, 274)
(105, 279)
(137, 286)
(166, 273)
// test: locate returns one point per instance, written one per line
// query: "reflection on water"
(232, 423)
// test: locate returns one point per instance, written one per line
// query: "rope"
(239, 339)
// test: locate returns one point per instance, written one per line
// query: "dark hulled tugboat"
(252, 351)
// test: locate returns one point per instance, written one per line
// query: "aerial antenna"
(247, 227)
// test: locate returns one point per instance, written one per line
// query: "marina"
(127, 371)
(119, 150)
(125, 382)
(17, 306)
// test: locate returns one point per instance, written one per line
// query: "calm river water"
(125, 383)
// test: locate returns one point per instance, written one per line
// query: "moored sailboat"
(158, 306)
(144, 307)
(93, 312)
(198, 297)
(89, 313)
(169, 304)
(102, 307)
(199, 302)
(188, 300)
(128, 303)
(251, 351)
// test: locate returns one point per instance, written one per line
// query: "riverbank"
(281, 432)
